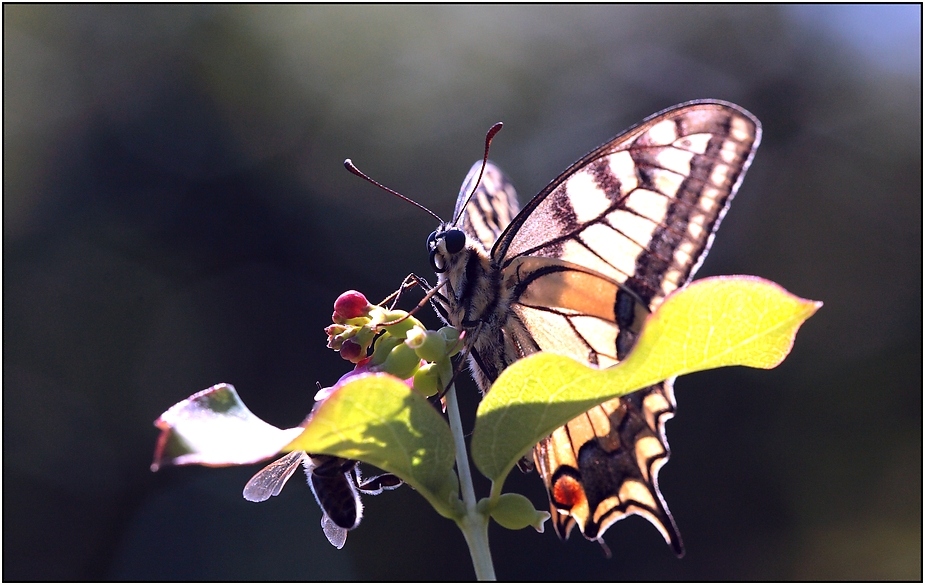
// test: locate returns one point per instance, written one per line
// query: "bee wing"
(334, 533)
(270, 480)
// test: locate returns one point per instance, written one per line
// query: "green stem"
(474, 525)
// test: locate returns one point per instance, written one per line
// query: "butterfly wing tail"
(613, 472)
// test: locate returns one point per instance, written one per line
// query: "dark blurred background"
(176, 215)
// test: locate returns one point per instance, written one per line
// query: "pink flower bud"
(351, 351)
(350, 305)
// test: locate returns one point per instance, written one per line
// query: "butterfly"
(575, 272)
(335, 482)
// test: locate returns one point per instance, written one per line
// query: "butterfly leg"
(409, 282)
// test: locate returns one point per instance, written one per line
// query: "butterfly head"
(444, 243)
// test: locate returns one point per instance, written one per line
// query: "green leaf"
(214, 428)
(714, 322)
(378, 419)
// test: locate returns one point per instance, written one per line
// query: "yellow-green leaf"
(714, 322)
(214, 428)
(378, 419)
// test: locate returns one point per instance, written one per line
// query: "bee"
(335, 482)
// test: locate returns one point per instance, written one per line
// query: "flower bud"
(453, 340)
(350, 305)
(334, 333)
(406, 323)
(382, 348)
(352, 351)
(415, 337)
(427, 380)
(402, 362)
(514, 511)
(334, 330)
(429, 345)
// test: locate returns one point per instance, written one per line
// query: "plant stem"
(474, 525)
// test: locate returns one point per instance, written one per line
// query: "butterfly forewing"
(643, 206)
(576, 272)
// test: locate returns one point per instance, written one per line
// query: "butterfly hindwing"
(603, 465)
(576, 271)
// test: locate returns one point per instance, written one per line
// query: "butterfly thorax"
(472, 298)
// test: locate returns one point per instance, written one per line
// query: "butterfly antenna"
(352, 168)
(488, 137)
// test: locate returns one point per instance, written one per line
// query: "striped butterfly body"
(576, 271)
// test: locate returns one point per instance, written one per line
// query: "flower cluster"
(400, 344)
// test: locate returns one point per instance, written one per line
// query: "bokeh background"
(175, 214)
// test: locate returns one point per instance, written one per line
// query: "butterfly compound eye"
(455, 241)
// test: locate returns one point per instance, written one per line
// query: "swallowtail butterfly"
(576, 271)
